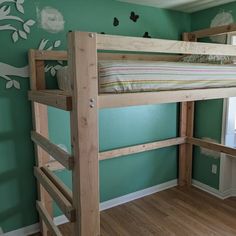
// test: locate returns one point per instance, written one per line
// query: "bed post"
(186, 130)
(84, 132)
(40, 125)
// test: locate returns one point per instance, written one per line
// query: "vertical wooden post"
(186, 129)
(84, 132)
(40, 125)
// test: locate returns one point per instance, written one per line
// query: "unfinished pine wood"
(40, 125)
(57, 98)
(50, 55)
(137, 44)
(186, 129)
(56, 152)
(212, 146)
(142, 57)
(141, 148)
(147, 98)
(47, 219)
(53, 165)
(186, 150)
(212, 31)
(173, 212)
(84, 131)
(58, 183)
(56, 194)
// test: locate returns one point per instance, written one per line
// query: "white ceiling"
(181, 5)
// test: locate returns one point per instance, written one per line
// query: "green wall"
(118, 127)
(208, 113)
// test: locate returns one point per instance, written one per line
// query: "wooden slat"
(44, 55)
(40, 124)
(136, 99)
(50, 55)
(56, 152)
(84, 131)
(58, 183)
(140, 148)
(137, 56)
(55, 99)
(212, 31)
(212, 146)
(55, 193)
(53, 165)
(135, 44)
(47, 219)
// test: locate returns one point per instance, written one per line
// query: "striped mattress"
(134, 76)
(142, 76)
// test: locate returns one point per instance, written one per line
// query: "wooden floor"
(175, 211)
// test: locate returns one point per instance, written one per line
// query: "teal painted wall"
(118, 127)
(208, 113)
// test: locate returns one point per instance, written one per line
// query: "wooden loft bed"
(81, 205)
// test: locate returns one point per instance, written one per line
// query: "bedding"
(142, 76)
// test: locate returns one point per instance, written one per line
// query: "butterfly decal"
(115, 22)
(133, 16)
(146, 35)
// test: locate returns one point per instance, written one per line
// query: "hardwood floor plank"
(173, 212)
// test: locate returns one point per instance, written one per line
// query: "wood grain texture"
(54, 98)
(173, 212)
(40, 125)
(147, 98)
(56, 152)
(212, 146)
(137, 44)
(84, 132)
(141, 148)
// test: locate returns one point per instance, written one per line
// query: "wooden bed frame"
(83, 101)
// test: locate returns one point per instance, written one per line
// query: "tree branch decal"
(43, 46)
(5, 14)
(7, 70)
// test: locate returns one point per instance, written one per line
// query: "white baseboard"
(31, 229)
(139, 194)
(103, 206)
(212, 191)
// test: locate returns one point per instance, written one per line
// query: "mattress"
(142, 76)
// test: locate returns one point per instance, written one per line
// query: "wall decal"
(50, 19)
(7, 70)
(133, 16)
(5, 14)
(222, 18)
(43, 46)
(146, 35)
(116, 22)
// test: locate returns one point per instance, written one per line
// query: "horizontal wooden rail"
(56, 194)
(147, 98)
(53, 229)
(137, 44)
(54, 98)
(212, 31)
(58, 183)
(212, 146)
(56, 152)
(46, 55)
(141, 148)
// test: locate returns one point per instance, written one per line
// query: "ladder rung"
(58, 183)
(56, 152)
(54, 230)
(64, 204)
(54, 98)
